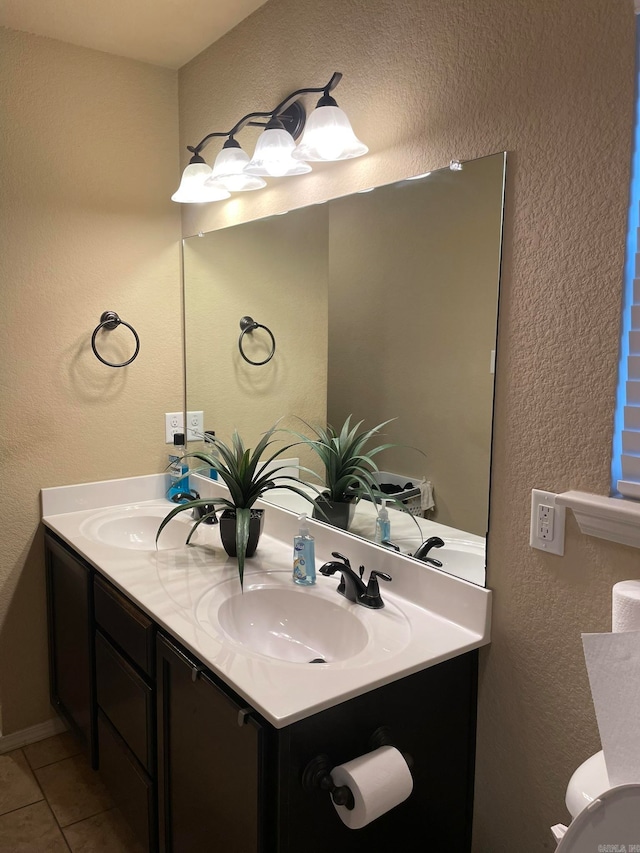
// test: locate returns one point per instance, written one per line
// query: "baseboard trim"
(26, 736)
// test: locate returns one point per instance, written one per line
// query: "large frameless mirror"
(383, 306)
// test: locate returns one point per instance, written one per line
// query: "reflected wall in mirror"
(383, 305)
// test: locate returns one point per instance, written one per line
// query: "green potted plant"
(243, 472)
(349, 469)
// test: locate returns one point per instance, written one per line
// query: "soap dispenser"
(178, 468)
(304, 557)
(383, 525)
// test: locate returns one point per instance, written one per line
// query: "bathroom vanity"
(201, 732)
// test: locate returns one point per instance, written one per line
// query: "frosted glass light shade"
(192, 189)
(272, 156)
(329, 136)
(228, 172)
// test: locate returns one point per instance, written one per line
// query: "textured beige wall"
(274, 270)
(413, 298)
(552, 82)
(89, 149)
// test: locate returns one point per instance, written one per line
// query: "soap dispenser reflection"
(383, 524)
(210, 448)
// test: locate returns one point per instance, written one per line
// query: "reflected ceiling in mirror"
(383, 305)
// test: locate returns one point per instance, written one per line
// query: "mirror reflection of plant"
(349, 465)
(348, 461)
(248, 474)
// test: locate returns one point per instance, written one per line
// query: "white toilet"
(604, 818)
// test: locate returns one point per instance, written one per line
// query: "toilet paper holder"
(317, 774)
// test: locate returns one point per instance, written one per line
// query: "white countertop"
(443, 615)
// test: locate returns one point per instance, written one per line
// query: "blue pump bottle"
(304, 556)
(178, 467)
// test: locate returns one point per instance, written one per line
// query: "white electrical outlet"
(173, 423)
(195, 426)
(547, 523)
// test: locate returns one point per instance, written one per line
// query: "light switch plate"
(547, 523)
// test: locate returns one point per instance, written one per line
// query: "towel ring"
(248, 324)
(109, 320)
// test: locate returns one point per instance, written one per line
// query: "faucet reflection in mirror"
(328, 137)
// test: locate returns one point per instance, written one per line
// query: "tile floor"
(51, 801)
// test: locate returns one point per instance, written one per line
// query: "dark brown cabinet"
(194, 768)
(126, 701)
(210, 769)
(70, 617)
(229, 782)
(132, 789)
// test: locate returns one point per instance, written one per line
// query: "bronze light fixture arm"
(289, 111)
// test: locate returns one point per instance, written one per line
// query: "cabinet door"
(209, 762)
(70, 607)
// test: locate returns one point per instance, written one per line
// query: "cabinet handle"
(243, 716)
(195, 672)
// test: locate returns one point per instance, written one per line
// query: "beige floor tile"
(103, 833)
(51, 749)
(18, 786)
(73, 790)
(30, 829)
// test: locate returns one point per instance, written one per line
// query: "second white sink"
(135, 527)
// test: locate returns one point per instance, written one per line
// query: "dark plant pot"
(228, 531)
(338, 513)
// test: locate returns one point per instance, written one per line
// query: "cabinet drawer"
(127, 701)
(126, 624)
(132, 790)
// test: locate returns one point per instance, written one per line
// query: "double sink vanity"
(201, 705)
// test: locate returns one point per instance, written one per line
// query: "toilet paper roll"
(379, 781)
(625, 609)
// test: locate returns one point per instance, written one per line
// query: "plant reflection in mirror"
(349, 467)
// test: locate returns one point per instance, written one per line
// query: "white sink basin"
(283, 624)
(136, 527)
(276, 619)
(464, 559)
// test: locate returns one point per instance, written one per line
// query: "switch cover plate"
(547, 523)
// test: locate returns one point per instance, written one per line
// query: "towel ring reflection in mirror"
(109, 320)
(248, 324)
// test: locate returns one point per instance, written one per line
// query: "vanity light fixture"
(329, 137)
(192, 189)
(229, 170)
(273, 154)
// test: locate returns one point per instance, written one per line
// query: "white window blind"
(625, 463)
(629, 483)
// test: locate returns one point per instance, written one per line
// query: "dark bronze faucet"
(201, 510)
(353, 587)
(423, 550)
